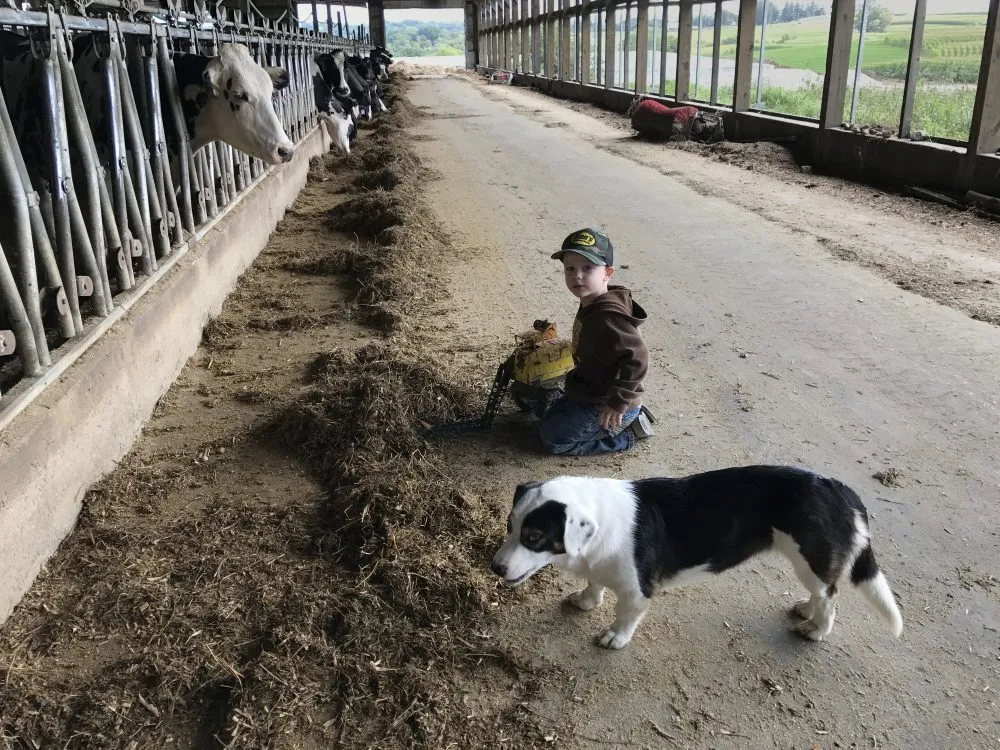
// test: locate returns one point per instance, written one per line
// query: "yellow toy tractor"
(534, 373)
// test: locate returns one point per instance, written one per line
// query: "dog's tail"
(872, 583)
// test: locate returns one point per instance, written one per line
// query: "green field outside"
(949, 40)
(942, 113)
(951, 54)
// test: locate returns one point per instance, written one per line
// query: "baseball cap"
(591, 244)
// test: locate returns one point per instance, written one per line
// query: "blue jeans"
(572, 428)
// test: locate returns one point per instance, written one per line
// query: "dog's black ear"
(523, 488)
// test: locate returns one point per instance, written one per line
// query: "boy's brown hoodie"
(610, 354)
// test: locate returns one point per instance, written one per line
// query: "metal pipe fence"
(79, 236)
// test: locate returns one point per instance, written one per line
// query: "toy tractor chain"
(536, 368)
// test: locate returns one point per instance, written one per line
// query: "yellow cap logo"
(584, 238)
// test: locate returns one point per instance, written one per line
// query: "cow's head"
(339, 126)
(381, 60)
(331, 66)
(238, 106)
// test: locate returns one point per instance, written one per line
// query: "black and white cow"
(336, 110)
(362, 79)
(356, 77)
(226, 97)
(230, 98)
(381, 58)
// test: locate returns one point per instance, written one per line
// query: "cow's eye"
(241, 96)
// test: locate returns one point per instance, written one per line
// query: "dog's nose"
(500, 570)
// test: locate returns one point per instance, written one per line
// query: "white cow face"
(239, 108)
(339, 127)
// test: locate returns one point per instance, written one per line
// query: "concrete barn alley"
(767, 348)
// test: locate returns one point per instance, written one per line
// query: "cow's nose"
(285, 153)
(500, 570)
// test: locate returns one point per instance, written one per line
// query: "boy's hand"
(611, 418)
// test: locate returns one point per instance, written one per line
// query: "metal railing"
(76, 254)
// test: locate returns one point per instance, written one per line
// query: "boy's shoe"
(648, 413)
(642, 425)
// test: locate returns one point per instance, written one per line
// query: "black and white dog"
(636, 537)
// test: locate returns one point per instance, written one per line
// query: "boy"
(602, 409)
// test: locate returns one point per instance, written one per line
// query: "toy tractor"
(534, 373)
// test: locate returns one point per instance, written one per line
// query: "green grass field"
(951, 54)
(942, 113)
(953, 39)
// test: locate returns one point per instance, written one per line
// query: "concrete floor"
(766, 348)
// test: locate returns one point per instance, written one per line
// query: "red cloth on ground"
(654, 118)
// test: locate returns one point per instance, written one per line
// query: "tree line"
(425, 39)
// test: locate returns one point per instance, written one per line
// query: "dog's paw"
(613, 639)
(809, 629)
(803, 609)
(582, 600)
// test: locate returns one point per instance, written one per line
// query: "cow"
(230, 98)
(381, 58)
(356, 77)
(226, 97)
(339, 121)
(362, 79)
(331, 67)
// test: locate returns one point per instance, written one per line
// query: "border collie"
(638, 536)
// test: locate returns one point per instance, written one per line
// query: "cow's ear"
(213, 77)
(279, 77)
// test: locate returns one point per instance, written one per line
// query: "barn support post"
(525, 35)
(641, 46)
(716, 48)
(838, 61)
(471, 36)
(984, 135)
(744, 54)
(565, 58)
(550, 41)
(536, 38)
(376, 22)
(683, 90)
(609, 44)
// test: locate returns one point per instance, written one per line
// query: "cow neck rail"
(111, 168)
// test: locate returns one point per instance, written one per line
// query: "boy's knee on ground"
(551, 439)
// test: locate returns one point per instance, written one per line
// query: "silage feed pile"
(357, 618)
